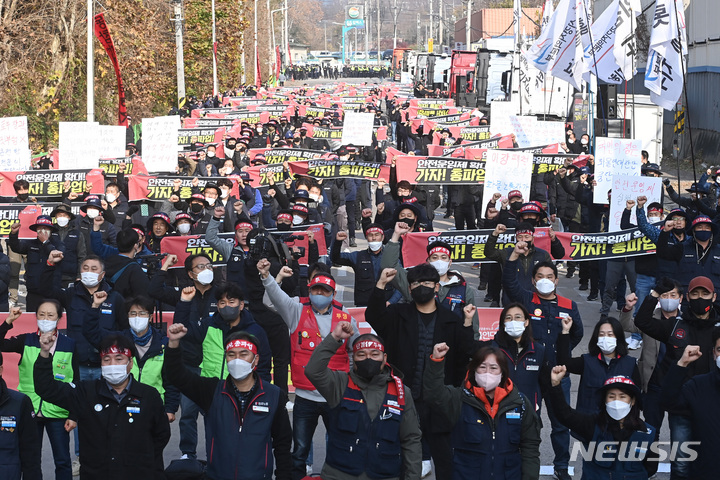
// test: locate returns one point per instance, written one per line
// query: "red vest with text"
(306, 338)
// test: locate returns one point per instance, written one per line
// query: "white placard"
(629, 187)
(112, 141)
(614, 156)
(500, 113)
(357, 128)
(160, 143)
(524, 130)
(14, 145)
(506, 171)
(405, 78)
(548, 133)
(79, 145)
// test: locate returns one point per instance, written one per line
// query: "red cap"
(515, 193)
(300, 208)
(701, 219)
(703, 282)
(322, 281)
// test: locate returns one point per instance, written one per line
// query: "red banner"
(277, 62)
(103, 34)
(44, 183)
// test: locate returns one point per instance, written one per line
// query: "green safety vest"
(213, 347)
(62, 371)
(151, 372)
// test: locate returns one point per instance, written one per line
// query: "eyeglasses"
(133, 313)
(520, 318)
(203, 266)
(427, 283)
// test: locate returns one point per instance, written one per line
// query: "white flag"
(663, 74)
(558, 51)
(613, 30)
(548, 11)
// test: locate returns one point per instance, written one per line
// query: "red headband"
(113, 349)
(284, 216)
(524, 232)
(241, 344)
(655, 209)
(243, 225)
(139, 232)
(372, 344)
(322, 280)
(374, 230)
(439, 250)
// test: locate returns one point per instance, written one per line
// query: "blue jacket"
(687, 265)
(610, 467)
(524, 369)
(197, 331)
(20, 444)
(240, 445)
(544, 314)
(37, 255)
(78, 305)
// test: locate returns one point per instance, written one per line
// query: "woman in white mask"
(48, 416)
(495, 428)
(617, 421)
(183, 223)
(525, 355)
(149, 345)
(607, 357)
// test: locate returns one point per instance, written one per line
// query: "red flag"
(103, 34)
(257, 70)
(277, 62)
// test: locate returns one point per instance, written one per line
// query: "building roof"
(496, 22)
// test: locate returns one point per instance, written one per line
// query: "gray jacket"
(332, 385)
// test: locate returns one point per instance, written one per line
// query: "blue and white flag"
(668, 43)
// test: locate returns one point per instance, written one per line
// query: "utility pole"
(395, 18)
(378, 31)
(214, 45)
(440, 24)
(179, 56)
(257, 67)
(468, 25)
(271, 56)
(90, 63)
(286, 39)
(430, 22)
(367, 30)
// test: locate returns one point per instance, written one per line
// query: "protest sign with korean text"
(160, 143)
(506, 171)
(614, 156)
(629, 187)
(14, 145)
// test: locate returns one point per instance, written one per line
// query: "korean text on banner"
(506, 171)
(160, 148)
(629, 187)
(500, 113)
(14, 148)
(358, 129)
(79, 145)
(111, 142)
(614, 156)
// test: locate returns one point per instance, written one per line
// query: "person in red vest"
(309, 321)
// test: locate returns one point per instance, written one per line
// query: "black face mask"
(23, 196)
(516, 205)
(196, 207)
(422, 294)
(678, 231)
(368, 368)
(700, 306)
(408, 221)
(231, 146)
(284, 227)
(531, 221)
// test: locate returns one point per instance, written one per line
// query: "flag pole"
(597, 75)
(687, 105)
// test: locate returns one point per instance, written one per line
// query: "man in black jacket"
(409, 331)
(124, 426)
(20, 444)
(122, 270)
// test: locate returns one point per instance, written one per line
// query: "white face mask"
(62, 221)
(488, 381)
(89, 279)
(224, 192)
(375, 246)
(110, 197)
(211, 201)
(617, 409)
(46, 326)
(607, 344)
(114, 374)
(184, 228)
(297, 220)
(669, 304)
(717, 362)
(205, 277)
(211, 154)
(515, 328)
(138, 324)
(654, 219)
(584, 141)
(239, 369)
(45, 231)
(92, 212)
(545, 286)
(315, 198)
(441, 266)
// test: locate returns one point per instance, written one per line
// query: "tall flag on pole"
(558, 51)
(257, 70)
(613, 34)
(664, 71)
